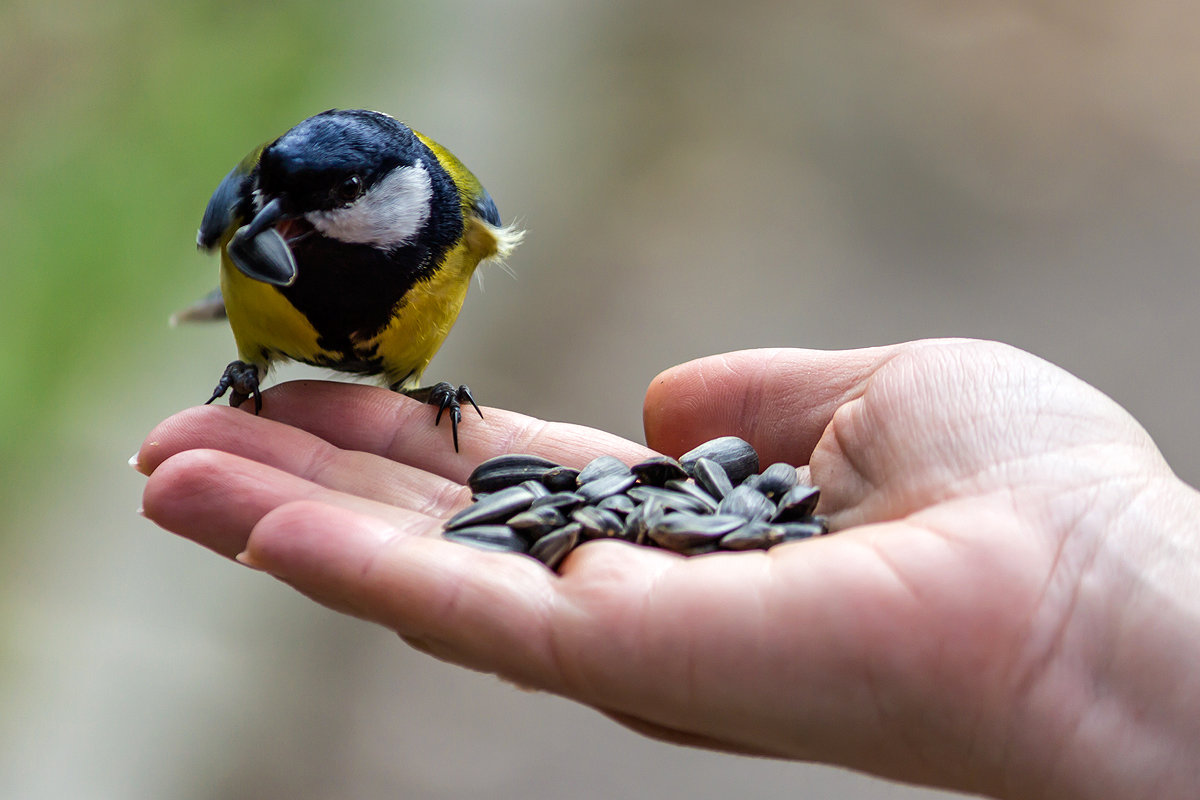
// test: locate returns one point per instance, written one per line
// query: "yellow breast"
(265, 325)
(423, 319)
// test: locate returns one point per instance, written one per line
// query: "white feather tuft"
(507, 239)
(501, 242)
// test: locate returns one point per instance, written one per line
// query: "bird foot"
(447, 398)
(241, 381)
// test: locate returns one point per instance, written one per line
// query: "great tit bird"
(348, 242)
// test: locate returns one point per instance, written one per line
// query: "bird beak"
(260, 252)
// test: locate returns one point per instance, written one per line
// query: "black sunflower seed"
(754, 535)
(798, 503)
(496, 507)
(712, 477)
(641, 519)
(776, 480)
(564, 500)
(710, 499)
(735, 456)
(669, 499)
(681, 531)
(695, 492)
(793, 531)
(617, 503)
(552, 548)
(536, 488)
(534, 523)
(746, 503)
(597, 523)
(561, 479)
(600, 467)
(489, 537)
(657, 470)
(508, 470)
(613, 483)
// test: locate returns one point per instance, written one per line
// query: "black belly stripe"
(350, 292)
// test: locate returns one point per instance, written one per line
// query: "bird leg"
(446, 398)
(241, 381)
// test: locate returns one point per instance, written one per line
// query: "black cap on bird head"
(328, 160)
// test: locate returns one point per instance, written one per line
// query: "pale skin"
(1010, 605)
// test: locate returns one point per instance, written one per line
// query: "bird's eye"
(349, 190)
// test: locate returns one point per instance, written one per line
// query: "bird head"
(358, 177)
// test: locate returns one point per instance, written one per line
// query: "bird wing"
(219, 214)
(209, 308)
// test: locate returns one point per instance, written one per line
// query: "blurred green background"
(695, 177)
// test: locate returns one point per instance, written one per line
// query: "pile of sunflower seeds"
(713, 498)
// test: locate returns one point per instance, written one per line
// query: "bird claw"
(446, 397)
(241, 381)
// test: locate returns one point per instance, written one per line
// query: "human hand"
(1008, 606)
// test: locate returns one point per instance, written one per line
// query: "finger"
(611, 629)
(385, 423)
(379, 421)
(679, 645)
(301, 453)
(215, 499)
(229, 429)
(779, 400)
(480, 609)
(487, 611)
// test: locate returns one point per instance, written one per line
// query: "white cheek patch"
(390, 214)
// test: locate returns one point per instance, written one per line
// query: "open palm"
(987, 514)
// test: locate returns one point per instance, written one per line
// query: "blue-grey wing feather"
(209, 308)
(219, 214)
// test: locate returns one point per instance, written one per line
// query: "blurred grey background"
(695, 177)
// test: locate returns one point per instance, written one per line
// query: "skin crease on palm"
(1008, 605)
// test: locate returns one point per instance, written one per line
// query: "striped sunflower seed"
(504, 471)
(711, 499)
(489, 537)
(735, 456)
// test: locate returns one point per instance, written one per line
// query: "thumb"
(780, 400)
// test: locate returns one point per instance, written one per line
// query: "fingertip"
(247, 560)
(175, 433)
(175, 478)
(214, 498)
(701, 399)
(149, 455)
(779, 399)
(662, 406)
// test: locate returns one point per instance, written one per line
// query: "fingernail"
(133, 461)
(246, 559)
